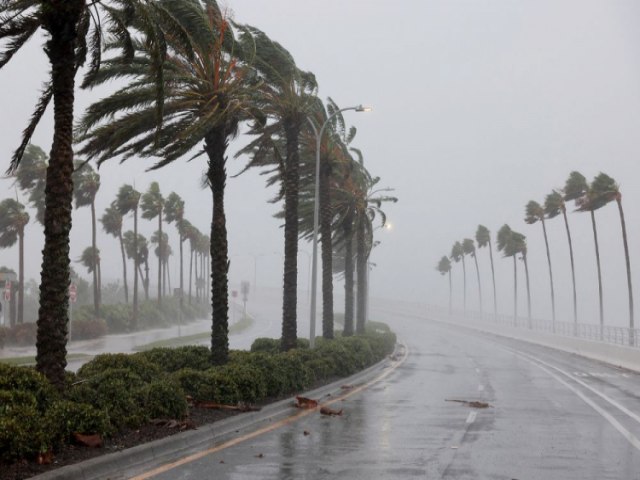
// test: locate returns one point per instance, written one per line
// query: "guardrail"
(608, 334)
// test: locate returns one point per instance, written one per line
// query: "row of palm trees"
(587, 197)
(193, 77)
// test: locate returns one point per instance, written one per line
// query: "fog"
(479, 107)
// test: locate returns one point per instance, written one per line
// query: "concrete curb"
(136, 460)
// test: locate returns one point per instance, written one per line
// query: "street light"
(316, 212)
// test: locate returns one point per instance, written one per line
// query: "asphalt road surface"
(550, 415)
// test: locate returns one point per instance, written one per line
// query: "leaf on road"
(330, 411)
(470, 403)
(303, 402)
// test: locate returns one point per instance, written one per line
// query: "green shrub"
(343, 361)
(165, 399)
(360, 350)
(150, 316)
(119, 392)
(135, 363)
(174, 359)
(10, 399)
(267, 345)
(88, 329)
(27, 379)
(382, 344)
(118, 317)
(207, 386)
(22, 434)
(4, 331)
(65, 418)
(250, 383)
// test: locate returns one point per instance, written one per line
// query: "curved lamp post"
(316, 212)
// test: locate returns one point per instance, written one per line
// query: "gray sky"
(479, 107)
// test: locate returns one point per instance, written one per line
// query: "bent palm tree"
(13, 219)
(535, 213)
(469, 248)
(483, 238)
(174, 213)
(605, 190)
(444, 267)
(86, 183)
(457, 254)
(31, 177)
(553, 206)
(127, 201)
(152, 205)
(90, 259)
(112, 224)
(519, 245)
(505, 244)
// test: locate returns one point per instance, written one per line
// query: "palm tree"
(519, 245)
(70, 41)
(534, 212)
(483, 238)
(13, 218)
(86, 183)
(505, 244)
(577, 189)
(152, 205)
(133, 243)
(287, 97)
(604, 189)
(127, 201)
(112, 224)
(457, 254)
(554, 205)
(174, 213)
(469, 248)
(444, 267)
(31, 178)
(206, 95)
(90, 259)
(162, 251)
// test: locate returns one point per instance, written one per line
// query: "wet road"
(551, 416)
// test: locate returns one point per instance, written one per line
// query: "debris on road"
(330, 411)
(303, 402)
(306, 432)
(470, 403)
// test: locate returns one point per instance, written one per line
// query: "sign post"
(7, 299)
(73, 297)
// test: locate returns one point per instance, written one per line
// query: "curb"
(139, 459)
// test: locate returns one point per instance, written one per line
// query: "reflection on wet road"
(550, 415)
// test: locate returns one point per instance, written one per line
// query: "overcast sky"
(479, 107)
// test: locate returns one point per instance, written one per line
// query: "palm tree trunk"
(146, 280)
(493, 278)
(190, 273)
(216, 146)
(21, 275)
(53, 318)
(573, 273)
(361, 272)
(632, 339)
(160, 257)
(348, 274)
(136, 267)
(595, 239)
(291, 183)
(515, 292)
(181, 241)
(553, 294)
(526, 274)
(475, 258)
(124, 268)
(464, 286)
(96, 288)
(327, 248)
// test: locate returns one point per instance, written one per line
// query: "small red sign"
(234, 293)
(73, 293)
(7, 290)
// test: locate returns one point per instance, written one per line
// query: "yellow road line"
(274, 426)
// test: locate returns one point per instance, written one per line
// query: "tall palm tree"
(112, 224)
(444, 267)
(604, 189)
(163, 252)
(457, 254)
(126, 202)
(206, 95)
(519, 245)
(554, 205)
(152, 205)
(174, 213)
(506, 245)
(86, 183)
(70, 42)
(31, 177)
(577, 189)
(469, 248)
(13, 219)
(286, 96)
(483, 238)
(534, 212)
(90, 259)
(138, 243)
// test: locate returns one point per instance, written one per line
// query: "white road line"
(622, 408)
(632, 439)
(472, 417)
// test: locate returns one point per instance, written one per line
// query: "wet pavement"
(551, 415)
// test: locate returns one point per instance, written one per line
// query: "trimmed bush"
(173, 359)
(65, 418)
(266, 345)
(207, 386)
(250, 383)
(118, 317)
(21, 433)
(135, 363)
(88, 329)
(27, 379)
(165, 399)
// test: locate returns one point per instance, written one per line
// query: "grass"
(31, 360)
(237, 327)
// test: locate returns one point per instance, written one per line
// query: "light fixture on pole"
(316, 212)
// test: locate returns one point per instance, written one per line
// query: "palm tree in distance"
(534, 212)
(31, 177)
(133, 243)
(13, 219)
(90, 259)
(70, 42)
(505, 244)
(519, 245)
(469, 248)
(604, 189)
(127, 201)
(174, 213)
(112, 224)
(86, 183)
(152, 205)
(444, 267)
(163, 252)
(457, 254)
(554, 205)
(577, 189)
(483, 238)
